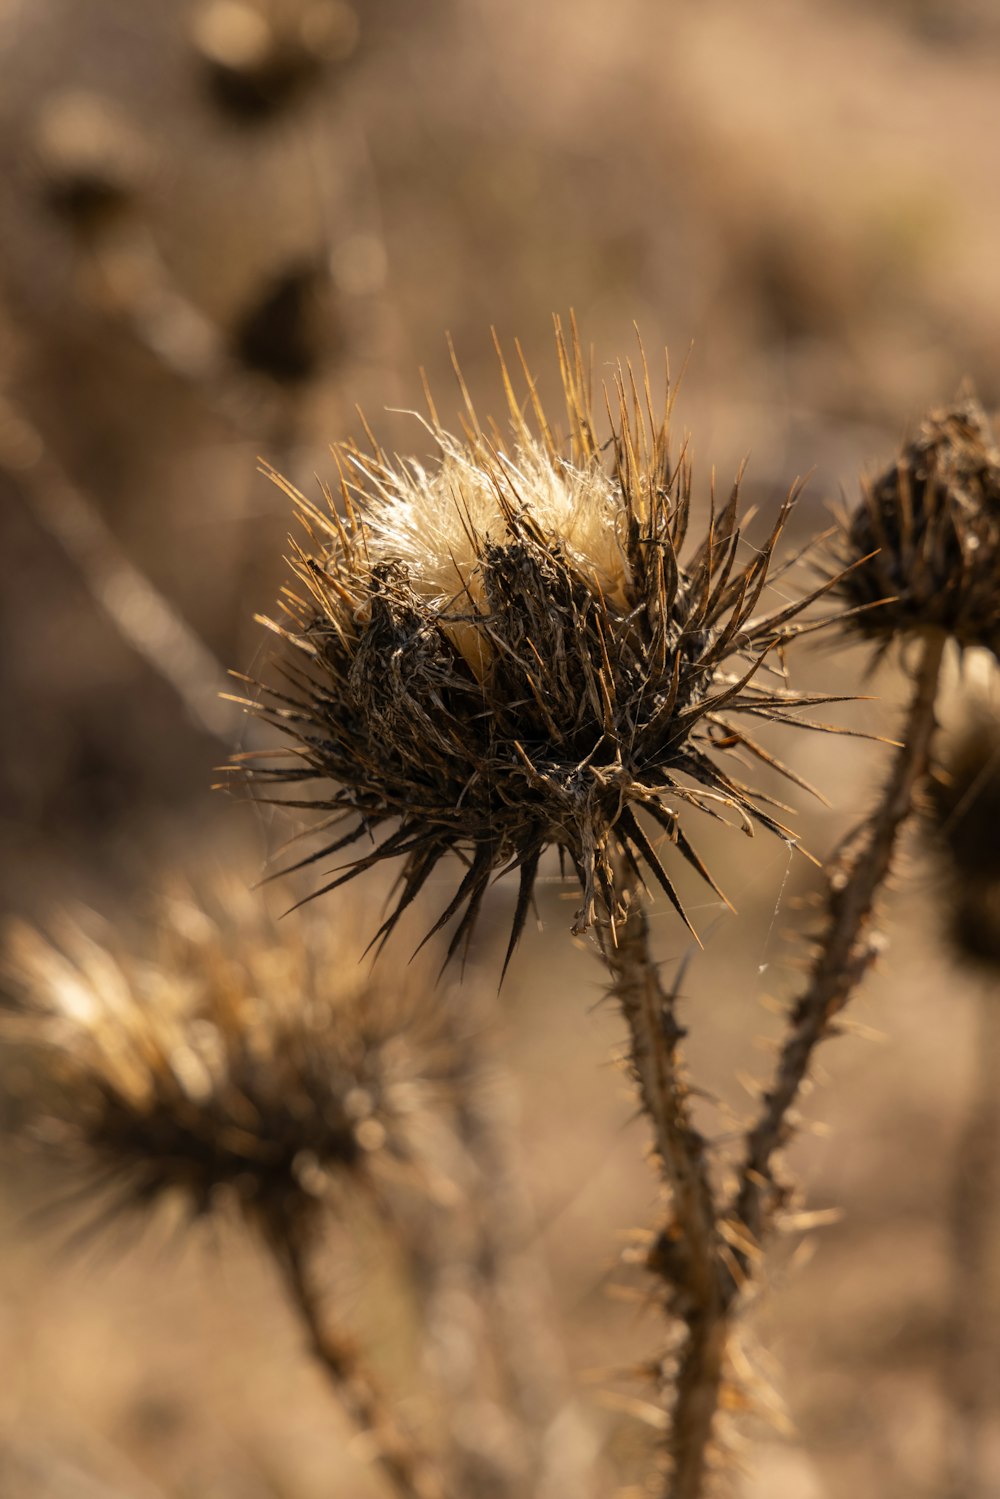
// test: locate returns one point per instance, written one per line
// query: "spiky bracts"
(926, 537)
(515, 648)
(228, 1061)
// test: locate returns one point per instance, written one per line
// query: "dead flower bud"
(926, 537)
(514, 648)
(229, 1061)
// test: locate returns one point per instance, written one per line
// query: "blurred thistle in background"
(925, 540)
(226, 1059)
(230, 1065)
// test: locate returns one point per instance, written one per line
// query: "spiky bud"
(514, 648)
(225, 1061)
(925, 539)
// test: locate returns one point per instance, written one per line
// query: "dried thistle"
(513, 648)
(925, 539)
(226, 1063)
(934, 517)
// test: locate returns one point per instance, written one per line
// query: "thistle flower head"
(925, 539)
(514, 647)
(227, 1061)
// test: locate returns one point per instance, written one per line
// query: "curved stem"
(686, 1254)
(845, 953)
(408, 1470)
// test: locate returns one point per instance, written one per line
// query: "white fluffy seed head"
(437, 523)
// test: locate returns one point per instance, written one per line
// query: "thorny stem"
(407, 1468)
(845, 953)
(686, 1256)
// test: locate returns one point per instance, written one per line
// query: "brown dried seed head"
(513, 648)
(230, 1060)
(932, 519)
(91, 162)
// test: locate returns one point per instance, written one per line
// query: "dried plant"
(514, 649)
(511, 649)
(517, 647)
(543, 640)
(229, 1064)
(926, 536)
(933, 515)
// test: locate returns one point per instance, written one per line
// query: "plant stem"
(407, 1468)
(690, 1255)
(846, 950)
(686, 1255)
